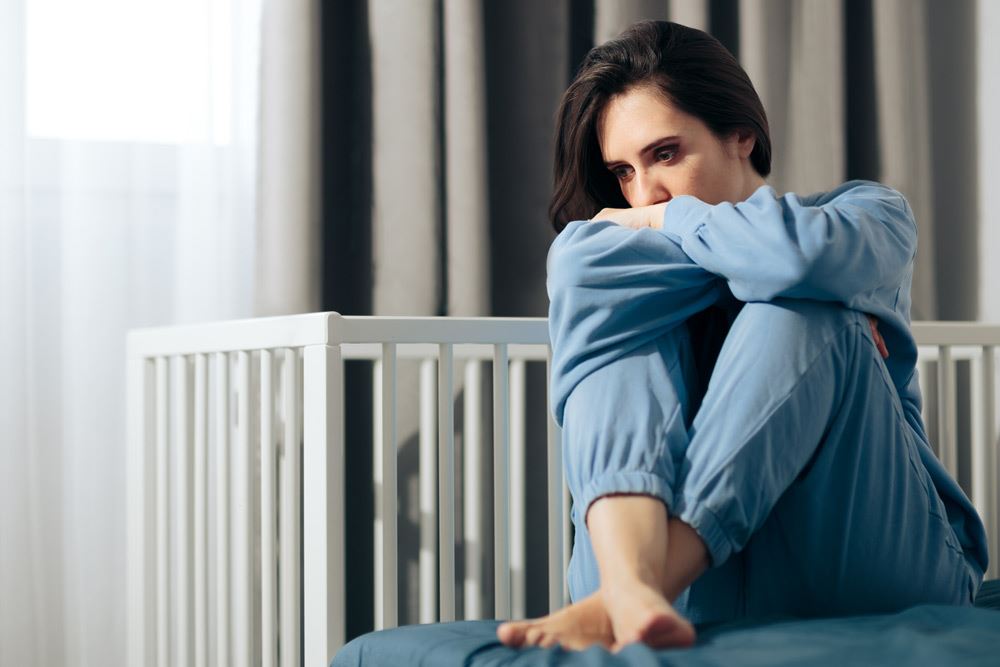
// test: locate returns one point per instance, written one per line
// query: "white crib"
(236, 436)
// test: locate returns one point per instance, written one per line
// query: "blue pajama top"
(854, 245)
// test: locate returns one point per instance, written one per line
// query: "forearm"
(841, 246)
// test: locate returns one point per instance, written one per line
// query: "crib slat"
(923, 380)
(554, 493)
(183, 609)
(377, 486)
(141, 512)
(268, 559)
(223, 421)
(518, 426)
(242, 609)
(947, 445)
(386, 504)
(289, 507)
(501, 465)
(978, 492)
(162, 513)
(984, 455)
(446, 482)
(472, 515)
(200, 510)
(428, 492)
(323, 625)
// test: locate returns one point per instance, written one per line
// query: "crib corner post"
(324, 612)
(140, 512)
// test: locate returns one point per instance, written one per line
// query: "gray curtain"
(438, 120)
(461, 97)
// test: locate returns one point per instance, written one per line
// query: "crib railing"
(236, 436)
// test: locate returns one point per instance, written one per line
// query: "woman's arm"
(840, 246)
(612, 289)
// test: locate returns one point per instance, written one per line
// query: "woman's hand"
(635, 218)
(879, 343)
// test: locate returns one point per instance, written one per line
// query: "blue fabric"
(926, 635)
(807, 447)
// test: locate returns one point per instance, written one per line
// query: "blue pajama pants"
(798, 470)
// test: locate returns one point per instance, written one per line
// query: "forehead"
(631, 120)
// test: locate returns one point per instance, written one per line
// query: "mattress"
(925, 635)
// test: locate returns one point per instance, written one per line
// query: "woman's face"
(658, 152)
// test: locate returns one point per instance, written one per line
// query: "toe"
(512, 634)
(668, 631)
(533, 635)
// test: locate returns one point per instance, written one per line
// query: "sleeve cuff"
(630, 482)
(709, 528)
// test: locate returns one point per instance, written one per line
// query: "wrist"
(656, 213)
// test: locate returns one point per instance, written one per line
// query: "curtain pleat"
(466, 184)
(527, 49)
(406, 207)
(954, 141)
(692, 13)
(987, 20)
(289, 165)
(901, 79)
(611, 17)
(793, 53)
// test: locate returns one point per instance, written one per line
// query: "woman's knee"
(787, 335)
(788, 324)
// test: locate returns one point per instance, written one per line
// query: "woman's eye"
(666, 154)
(620, 172)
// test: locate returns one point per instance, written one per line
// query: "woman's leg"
(625, 426)
(800, 462)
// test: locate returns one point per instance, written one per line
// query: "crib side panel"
(219, 568)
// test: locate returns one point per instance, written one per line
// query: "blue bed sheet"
(929, 635)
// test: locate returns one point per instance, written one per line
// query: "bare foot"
(640, 613)
(576, 627)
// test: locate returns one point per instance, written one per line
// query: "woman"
(798, 480)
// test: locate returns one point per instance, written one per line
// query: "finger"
(877, 337)
(882, 349)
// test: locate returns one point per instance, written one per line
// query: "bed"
(928, 635)
(236, 516)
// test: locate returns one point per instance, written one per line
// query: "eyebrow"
(650, 146)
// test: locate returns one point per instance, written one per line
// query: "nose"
(648, 190)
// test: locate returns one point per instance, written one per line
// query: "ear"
(745, 141)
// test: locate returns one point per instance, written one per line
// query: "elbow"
(897, 208)
(567, 260)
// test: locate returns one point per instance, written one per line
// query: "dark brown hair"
(695, 73)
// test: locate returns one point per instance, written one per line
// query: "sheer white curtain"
(128, 197)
